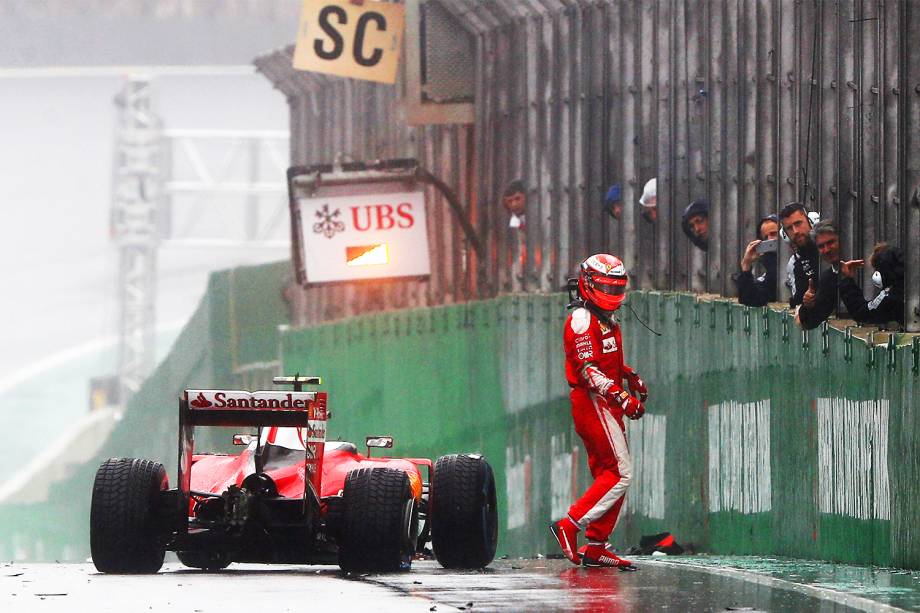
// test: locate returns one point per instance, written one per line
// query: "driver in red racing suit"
(595, 369)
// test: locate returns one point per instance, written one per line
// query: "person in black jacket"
(820, 300)
(797, 224)
(695, 223)
(888, 278)
(760, 290)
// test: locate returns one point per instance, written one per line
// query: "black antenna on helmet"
(640, 320)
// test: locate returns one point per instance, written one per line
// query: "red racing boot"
(601, 555)
(566, 534)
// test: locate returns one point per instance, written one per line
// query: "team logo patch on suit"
(610, 345)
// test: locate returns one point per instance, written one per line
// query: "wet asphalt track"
(508, 585)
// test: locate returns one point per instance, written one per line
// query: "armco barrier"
(758, 438)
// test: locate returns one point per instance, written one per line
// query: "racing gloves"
(635, 383)
(631, 406)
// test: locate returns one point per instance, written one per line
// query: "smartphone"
(767, 246)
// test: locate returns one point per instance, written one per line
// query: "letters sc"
(332, 16)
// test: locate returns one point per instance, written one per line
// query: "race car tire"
(463, 511)
(379, 523)
(203, 560)
(124, 530)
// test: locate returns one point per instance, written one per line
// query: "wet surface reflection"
(696, 583)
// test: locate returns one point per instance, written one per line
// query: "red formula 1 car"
(290, 496)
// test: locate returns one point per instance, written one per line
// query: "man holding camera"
(761, 290)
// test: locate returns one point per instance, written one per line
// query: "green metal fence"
(758, 438)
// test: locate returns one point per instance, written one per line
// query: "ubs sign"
(374, 236)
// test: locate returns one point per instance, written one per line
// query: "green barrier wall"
(779, 441)
(758, 438)
(234, 326)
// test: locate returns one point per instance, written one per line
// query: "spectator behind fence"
(796, 223)
(613, 202)
(514, 199)
(888, 279)
(695, 223)
(821, 298)
(649, 200)
(762, 290)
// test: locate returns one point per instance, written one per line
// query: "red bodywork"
(215, 473)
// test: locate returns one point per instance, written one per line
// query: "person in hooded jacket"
(888, 278)
(761, 290)
(695, 223)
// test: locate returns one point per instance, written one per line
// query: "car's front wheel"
(379, 523)
(463, 511)
(124, 532)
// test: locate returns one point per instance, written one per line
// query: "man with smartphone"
(760, 290)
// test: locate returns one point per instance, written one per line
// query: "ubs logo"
(329, 223)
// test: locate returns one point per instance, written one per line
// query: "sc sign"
(340, 38)
(346, 238)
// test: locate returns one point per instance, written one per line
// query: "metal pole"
(136, 192)
(909, 176)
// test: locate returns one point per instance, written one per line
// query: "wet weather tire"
(379, 521)
(463, 511)
(124, 531)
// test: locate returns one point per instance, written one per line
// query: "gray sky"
(59, 306)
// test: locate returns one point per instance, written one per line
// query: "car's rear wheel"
(379, 523)
(124, 531)
(463, 511)
(204, 560)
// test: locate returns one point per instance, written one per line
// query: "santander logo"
(240, 399)
(201, 402)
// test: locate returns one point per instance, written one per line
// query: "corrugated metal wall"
(341, 118)
(751, 103)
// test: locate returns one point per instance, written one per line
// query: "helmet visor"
(609, 286)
